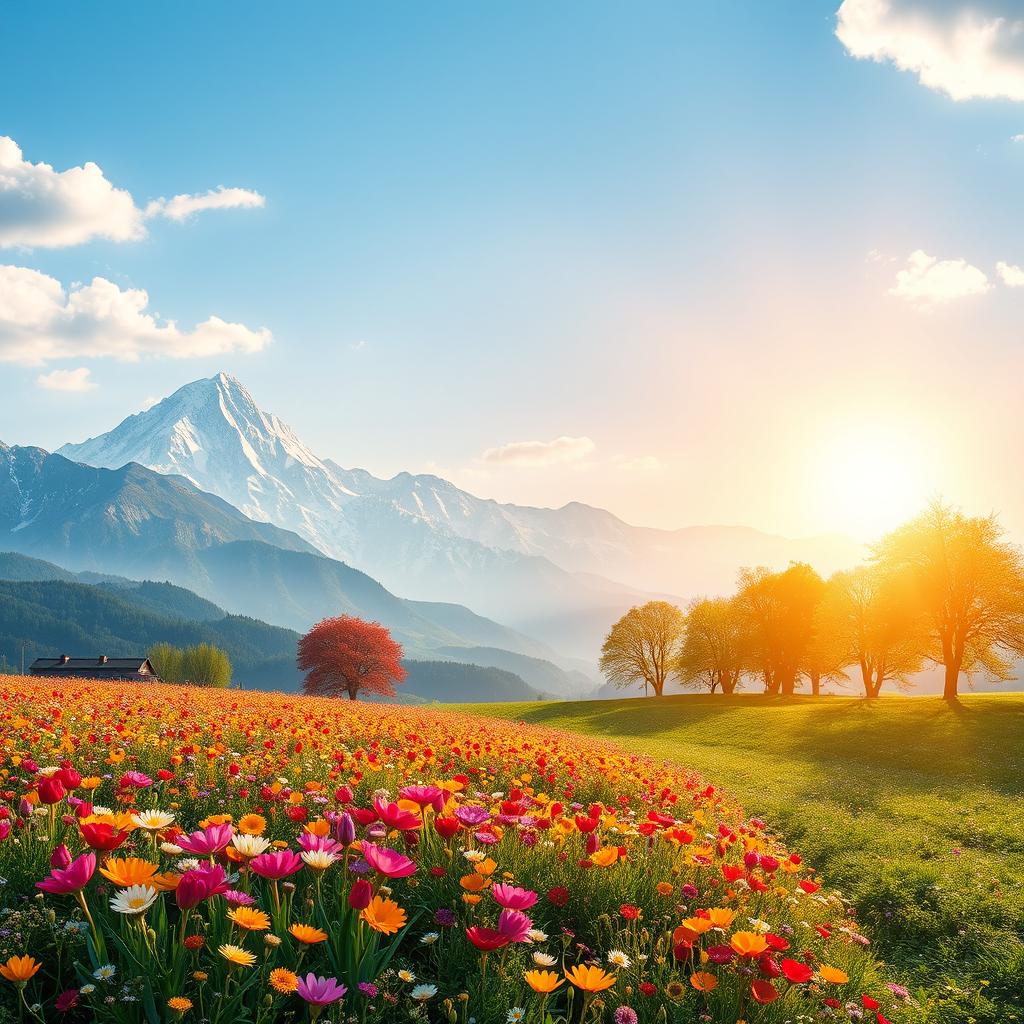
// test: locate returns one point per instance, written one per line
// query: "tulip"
(344, 828)
(360, 895)
(50, 790)
(61, 857)
(387, 862)
(70, 879)
(199, 884)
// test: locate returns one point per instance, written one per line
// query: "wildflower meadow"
(172, 854)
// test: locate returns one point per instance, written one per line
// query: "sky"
(739, 263)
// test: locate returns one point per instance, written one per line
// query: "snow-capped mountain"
(558, 572)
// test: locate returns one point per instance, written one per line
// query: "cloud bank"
(927, 282)
(42, 208)
(66, 380)
(540, 453)
(965, 50)
(40, 321)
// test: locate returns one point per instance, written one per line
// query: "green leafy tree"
(166, 660)
(712, 652)
(206, 665)
(643, 645)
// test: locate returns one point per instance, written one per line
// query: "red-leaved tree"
(347, 655)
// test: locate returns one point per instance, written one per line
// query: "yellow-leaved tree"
(643, 645)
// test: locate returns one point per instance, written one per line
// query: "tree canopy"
(643, 645)
(347, 656)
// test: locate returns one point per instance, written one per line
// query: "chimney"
(65, 658)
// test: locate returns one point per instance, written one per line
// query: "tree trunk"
(816, 684)
(949, 689)
(351, 694)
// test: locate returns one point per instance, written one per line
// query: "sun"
(866, 478)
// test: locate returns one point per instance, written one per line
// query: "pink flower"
(200, 884)
(388, 862)
(425, 796)
(207, 841)
(60, 858)
(135, 780)
(395, 817)
(73, 878)
(310, 842)
(512, 897)
(320, 991)
(279, 864)
(514, 925)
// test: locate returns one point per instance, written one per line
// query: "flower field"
(172, 854)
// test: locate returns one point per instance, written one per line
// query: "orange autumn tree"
(346, 655)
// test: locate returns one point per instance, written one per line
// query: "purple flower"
(368, 989)
(625, 1015)
(444, 917)
(320, 991)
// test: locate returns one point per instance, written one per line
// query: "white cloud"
(39, 321)
(182, 207)
(964, 49)
(927, 282)
(1013, 276)
(540, 453)
(1017, 138)
(66, 380)
(44, 208)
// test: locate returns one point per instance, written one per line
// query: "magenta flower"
(396, 817)
(471, 816)
(73, 878)
(512, 897)
(279, 864)
(200, 884)
(515, 926)
(310, 842)
(320, 991)
(135, 780)
(388, 862)
(425, 796)
(207, 841)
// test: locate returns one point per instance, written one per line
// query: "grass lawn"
(911, 807)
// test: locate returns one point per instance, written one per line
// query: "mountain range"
(561, 575)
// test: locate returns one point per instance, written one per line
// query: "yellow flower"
(702, 981)
(748, 943)
(830, 974)
(125, 872)
(19, 969)
(249, 918)
(284, 981)
(237, 955)
(252, 824)
(698, 925)
(180, 1003)
(590, 979)
(384, 916)
(543, 981)
(308, 934)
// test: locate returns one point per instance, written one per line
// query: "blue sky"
(646, 225)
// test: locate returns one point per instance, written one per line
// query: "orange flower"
(748, 943)
(605, 857)
(125, 872)
(250, 919)
(702, 981)
(543, 981)
(384, 916)
(252, 824)
(308, 934)
(833, 975)
(721, 917)
(590, 979)
(284, 981)
(19, 969)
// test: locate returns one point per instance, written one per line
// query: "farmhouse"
(137, 669)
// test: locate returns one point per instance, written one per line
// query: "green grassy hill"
(910, 806)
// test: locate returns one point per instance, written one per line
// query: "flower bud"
(360, 895)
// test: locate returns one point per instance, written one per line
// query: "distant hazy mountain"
(61, 617)
(560, 574)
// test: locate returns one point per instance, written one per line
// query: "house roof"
(98, 664)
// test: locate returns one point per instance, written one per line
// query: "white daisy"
(250, 846)
(104, 973)
(421, 993)
(544, 959)
(319, 860)
(618, 959)
(515, 1015)
(136, 899)
(407, 976)
(429, 939)
(153, 821)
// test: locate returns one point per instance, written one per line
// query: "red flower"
(101, 836)
(647, 989)
(777, 942)
(558, 896)
(447, 827)
(764, 992)
(769, 968)
(720, 954)
(629, 912)
(796, 972)
(869, 1003)
(808, 886)
(195, 942)
(486, 939)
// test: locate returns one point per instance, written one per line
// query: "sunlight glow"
(866, 478)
